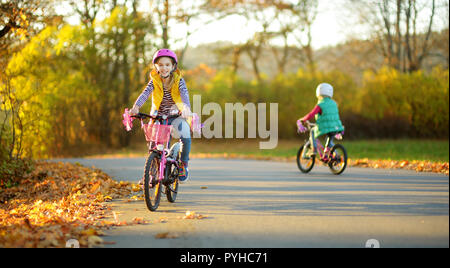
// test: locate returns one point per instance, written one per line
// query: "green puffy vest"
(329, 120)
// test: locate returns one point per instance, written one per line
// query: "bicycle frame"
(158, 135)
(153, 146)
(320, 148)
(162, 153)
(334, 155)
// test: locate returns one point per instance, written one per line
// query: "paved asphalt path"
(261, 204)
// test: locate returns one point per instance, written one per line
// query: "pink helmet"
(165, 53)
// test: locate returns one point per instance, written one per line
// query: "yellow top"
(158, 92)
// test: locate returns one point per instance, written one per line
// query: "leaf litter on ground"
(57, 202)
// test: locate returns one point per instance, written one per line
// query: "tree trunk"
(165, 25)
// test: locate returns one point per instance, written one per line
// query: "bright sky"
(334, 24)
(330, 27)
(327, 30)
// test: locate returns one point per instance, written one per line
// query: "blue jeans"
(329, 142)
(181, 131)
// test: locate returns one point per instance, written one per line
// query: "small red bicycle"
(335, 157)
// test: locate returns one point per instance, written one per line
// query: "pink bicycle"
(162, 165)
(335, 157)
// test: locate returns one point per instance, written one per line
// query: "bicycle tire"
(304, 168)
(172, 188)
(152, 186)
(338, 159)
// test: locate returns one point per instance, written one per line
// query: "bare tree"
(87, 10)
(224, 59)
(176, 12)
(286, 28)
(186, 14)
(402, 28)
(279, 20)
(282, 58)
(253, 49)
(304, 13)
(161, 8)
(415, 55)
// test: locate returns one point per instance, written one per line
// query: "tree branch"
(10, 25)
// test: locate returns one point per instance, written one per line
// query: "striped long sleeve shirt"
(167, 103)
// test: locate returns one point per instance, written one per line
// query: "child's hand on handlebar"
(302, 122)
(186, 113)
(300, 126)
(134, 110)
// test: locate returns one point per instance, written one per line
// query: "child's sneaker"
(326, 157)
(183, 175)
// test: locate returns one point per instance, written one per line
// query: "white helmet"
(324, 89)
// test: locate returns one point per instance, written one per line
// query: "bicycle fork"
(162, 166)
(162, 162)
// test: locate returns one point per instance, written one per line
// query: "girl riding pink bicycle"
(169, 93)
(170, 116)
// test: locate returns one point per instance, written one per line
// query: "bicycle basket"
(157, 133)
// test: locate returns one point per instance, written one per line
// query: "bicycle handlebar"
(309, 124)
(157, 117)
(302, 128)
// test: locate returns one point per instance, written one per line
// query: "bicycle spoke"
(154, 170)
(172, 188)
(338, 159)
(152, 187)
(305, 162)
